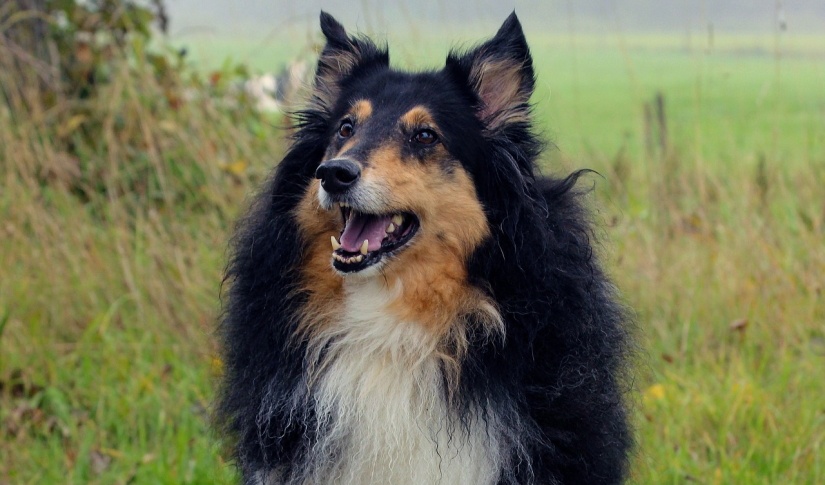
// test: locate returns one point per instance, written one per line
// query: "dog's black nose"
(338, 175)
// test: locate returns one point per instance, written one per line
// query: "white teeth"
(344, 204)
(348, 259)
(335, 244)
(391, 228)
(364, 246)
(397, 219)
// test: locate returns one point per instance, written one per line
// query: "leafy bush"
(108, 112)
(68, 46)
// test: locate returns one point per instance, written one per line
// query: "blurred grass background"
(117, 201)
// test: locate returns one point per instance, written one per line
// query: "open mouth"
(368, 238)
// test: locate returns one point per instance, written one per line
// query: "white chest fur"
(379, 397)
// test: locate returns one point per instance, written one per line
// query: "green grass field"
(715, 236)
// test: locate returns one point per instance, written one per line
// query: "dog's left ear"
(500, 71)
(341, 56)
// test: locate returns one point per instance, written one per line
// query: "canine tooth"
(358, 258)
(364, 246)
(391, 228)
(397, 219)
(335, 244)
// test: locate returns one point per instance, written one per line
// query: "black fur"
(556, 379)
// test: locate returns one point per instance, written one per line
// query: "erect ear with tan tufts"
(500, 72)
(341, 56)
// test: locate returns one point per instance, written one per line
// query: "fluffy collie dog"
(409, 302)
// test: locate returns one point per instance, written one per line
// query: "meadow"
(711, 208)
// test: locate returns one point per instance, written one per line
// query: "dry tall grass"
(116, 212)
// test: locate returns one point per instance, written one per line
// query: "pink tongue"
(361, 227)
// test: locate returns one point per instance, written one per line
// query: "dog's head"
(410, 157)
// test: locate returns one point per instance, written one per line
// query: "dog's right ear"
(342, 56)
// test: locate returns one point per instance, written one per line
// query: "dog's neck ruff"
(377, 389)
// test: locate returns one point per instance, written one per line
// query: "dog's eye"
(425, 137)
(345, 130)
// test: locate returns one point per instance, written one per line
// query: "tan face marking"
(323, 285)
(418, 117)
(361, 110)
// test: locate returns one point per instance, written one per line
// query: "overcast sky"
(260, 17)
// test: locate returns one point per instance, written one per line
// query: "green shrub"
(106, 105)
